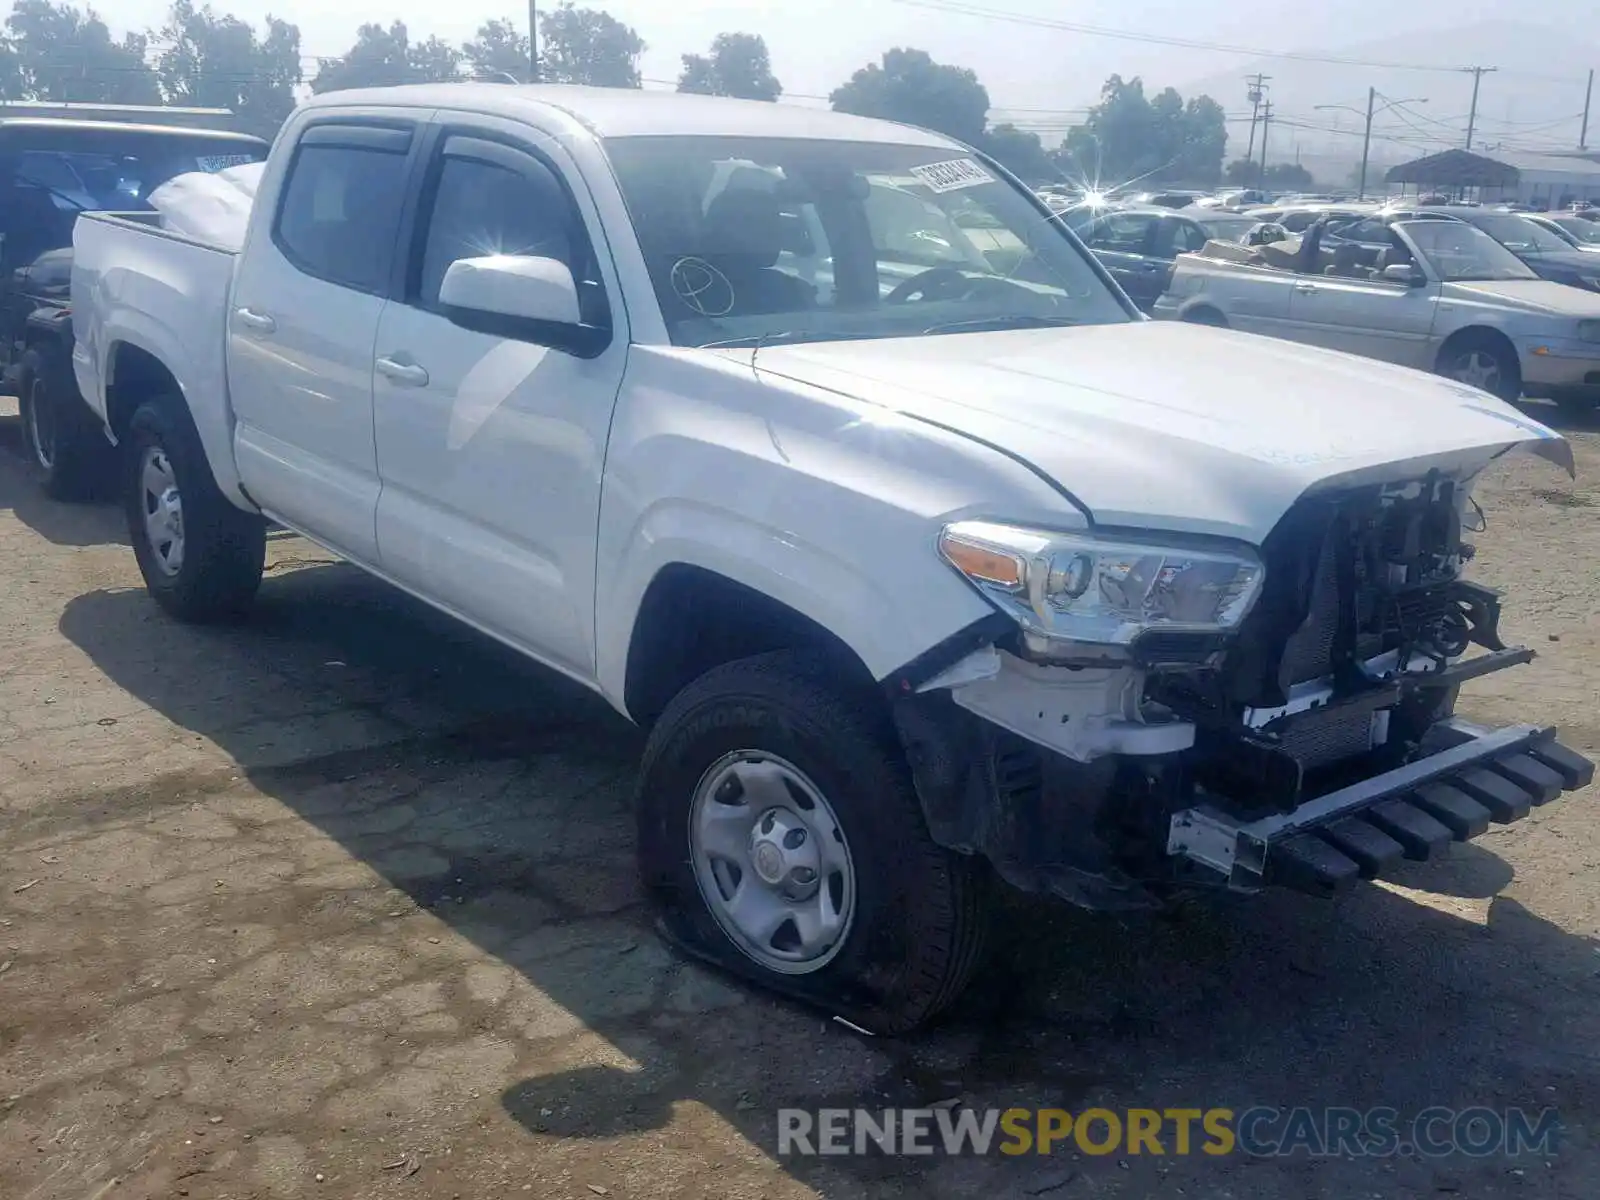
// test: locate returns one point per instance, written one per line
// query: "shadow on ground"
(1567, 420)
(520, 782)
(90, 524)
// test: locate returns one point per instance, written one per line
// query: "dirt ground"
(340, 902)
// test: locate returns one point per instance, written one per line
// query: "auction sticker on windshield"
(952, 176)
(212, 163)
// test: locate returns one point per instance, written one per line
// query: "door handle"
(405, 374)
(251, 319)
(1306, 289)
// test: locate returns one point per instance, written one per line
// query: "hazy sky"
(816, 45)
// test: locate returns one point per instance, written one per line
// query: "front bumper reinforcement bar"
(1412, 812)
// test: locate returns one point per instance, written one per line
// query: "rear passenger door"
(307, 296)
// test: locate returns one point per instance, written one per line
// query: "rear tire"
(200, 555)
(1206, 316)
(60, 434)
(1483, 361)
(902, 927)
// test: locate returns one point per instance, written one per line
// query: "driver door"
(1366, 314)
(1125, 244)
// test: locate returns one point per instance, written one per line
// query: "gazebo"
(1455, 172)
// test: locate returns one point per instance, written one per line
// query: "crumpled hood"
(1165, 425)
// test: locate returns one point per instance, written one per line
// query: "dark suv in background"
(51, 169)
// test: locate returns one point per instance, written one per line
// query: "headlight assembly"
(1077, 587)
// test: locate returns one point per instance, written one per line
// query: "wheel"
(201, 557)
(61, 434)
(781, 838)
(1206, 316)
(1483, 362)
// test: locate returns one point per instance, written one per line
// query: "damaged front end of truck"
(1147, 717)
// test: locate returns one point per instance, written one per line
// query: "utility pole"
(533, 41)
(1258, 89)
(1477, 74)
(1366, 144)
(1266, 125)
(1583, 136)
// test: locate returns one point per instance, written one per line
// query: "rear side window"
(340, 213)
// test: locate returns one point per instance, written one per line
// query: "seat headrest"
(744, 227)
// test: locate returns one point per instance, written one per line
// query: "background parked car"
(1138, 245)
(1582, 234)
(1549, 255)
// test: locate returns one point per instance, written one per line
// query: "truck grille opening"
(1338, 735)
(1350, 577)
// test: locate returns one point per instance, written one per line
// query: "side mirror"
(520, 296)
(1404, 273)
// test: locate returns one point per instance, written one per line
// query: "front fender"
(828, 506)
(868, 612)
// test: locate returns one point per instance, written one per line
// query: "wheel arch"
(1477, 335)
(692, 619)
(1204, 312)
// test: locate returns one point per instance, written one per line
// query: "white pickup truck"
(1424, 291)
(916, 579)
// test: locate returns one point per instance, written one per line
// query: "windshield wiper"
(1016, 321)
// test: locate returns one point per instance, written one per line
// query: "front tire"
(201, 556)
(1486, 363)
(61, 435)
(781, 838)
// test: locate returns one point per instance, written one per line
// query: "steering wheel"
(936, 283)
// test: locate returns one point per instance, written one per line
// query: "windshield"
(1458, 252)
(757, 239)
(1225, 229)
(1520, 235)
(1587, 233)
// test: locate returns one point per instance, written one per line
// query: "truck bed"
(135, 281)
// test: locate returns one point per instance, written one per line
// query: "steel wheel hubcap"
(1479, 369)
(163, 510)
(771, 862)
(41, 425)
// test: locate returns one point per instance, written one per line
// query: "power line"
(975, 10)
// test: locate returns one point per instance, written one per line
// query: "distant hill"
(1532, 103)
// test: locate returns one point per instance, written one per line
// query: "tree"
(57, 52)
(1291, 176)
(217, 62)
(1020, 152)
(386, 58)
(1243, 172)
(1247, 173)
(434, 61)
(909, 86)
(738, 65)
(585, 45)
(499, 50)
(1204, 141)
(1129, 136)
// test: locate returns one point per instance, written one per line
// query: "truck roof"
(14, 124)
(631, 112)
